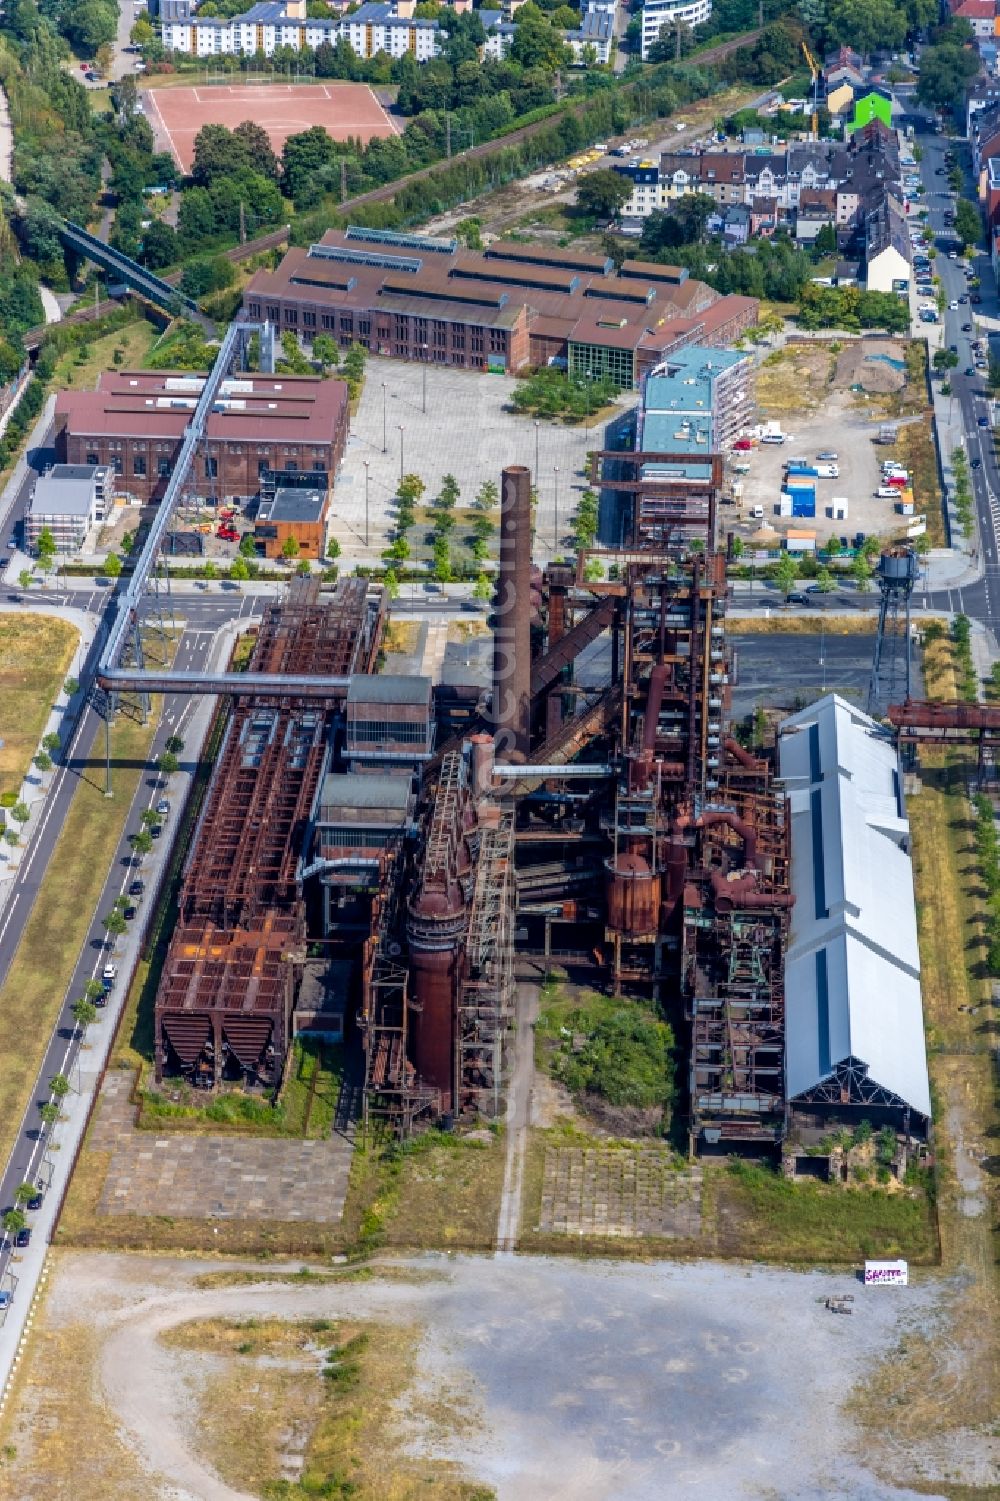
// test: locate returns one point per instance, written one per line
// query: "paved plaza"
(466, 431)
(611, 1192)
(214, 1176)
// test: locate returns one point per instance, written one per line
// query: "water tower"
(897, 574)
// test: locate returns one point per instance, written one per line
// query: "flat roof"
(293, 505)
(388, 688)
(65, 495)
(352, 789)
(546, 255)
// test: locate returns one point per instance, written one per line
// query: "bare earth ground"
(579, 1382)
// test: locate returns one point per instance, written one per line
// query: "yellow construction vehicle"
(814, 70)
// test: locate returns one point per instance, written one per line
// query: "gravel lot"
(594, 1382)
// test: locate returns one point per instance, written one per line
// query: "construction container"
(837, 509)
(785, 504)
(808, 470)
(803, 502)
(798, 539)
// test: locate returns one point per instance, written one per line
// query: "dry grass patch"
(313, 1408)
(35, 653)
(79, 368)
(402, 636)
(915, 449)
(442, 1190)
(793, 379)
(38, 978)
(861, 624)
(60, 1441)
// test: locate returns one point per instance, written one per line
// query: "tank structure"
(897, 576)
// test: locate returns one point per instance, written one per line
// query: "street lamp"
(423, 378)
(385, 445)
(400, 426)
(555, 547)
(586, 425)
(367, 462)
(537, 426)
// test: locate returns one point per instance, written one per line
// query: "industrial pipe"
(742, 755)
(741, 891)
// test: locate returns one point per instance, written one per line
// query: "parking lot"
(844, 420)
(466, 430)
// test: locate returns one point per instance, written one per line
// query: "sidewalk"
(86, 1068)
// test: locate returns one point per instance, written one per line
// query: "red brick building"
(135, 420)
(512, 306)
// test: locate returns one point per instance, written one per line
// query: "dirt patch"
(793, 379)
(878, 366)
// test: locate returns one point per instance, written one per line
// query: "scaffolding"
(486, 997)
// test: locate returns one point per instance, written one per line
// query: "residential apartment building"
(413, 297)
(888, 252)
(67, 502)
(375, 27)
(134, 423)
(659, 13)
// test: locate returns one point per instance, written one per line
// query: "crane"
(814, 70)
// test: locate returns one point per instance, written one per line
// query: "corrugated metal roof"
(852, 970)
(388, 688)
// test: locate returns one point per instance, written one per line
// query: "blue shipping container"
(803, 503)
(804, 469)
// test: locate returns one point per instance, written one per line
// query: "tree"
(238, 570)
(483, 588)
(593, 571)
(290, 548)
(786, 571)
(14, 1220)
(487, 496)
(944, 72)
(49, 1113)
(112, 566)
(60, 1086)
(149, 818)
(174, 744)
(142, 33)
(303, 567)
(303, 158)
(257, 144)
(43, 761)
(114, 924)
(391, 583)
(24, 1192)
(603, 194)
(167, 764)
(944, 359)
(24, 578)
(324, 349)
(248, 547)
(411, 488)
(20, 813)
(866, 25)
(46, 545)
(825, 581)
(861, 571)
(84, 1013)
(449, 493)
(968, 222)
(142, 842)
(333, 549)
(159, 246)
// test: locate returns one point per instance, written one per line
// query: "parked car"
(6, 1299)
(743, 445)
(129, 912)
(163, 807)
(983, 421)
(827, 456)
(136, 888)
(975, 464)
(966, 328)
(23, 1238)
(109, 975)
(797, 599)
(970, 370)
(155, 830)
(35, 1202)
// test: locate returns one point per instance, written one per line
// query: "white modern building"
(659, 13)
(854, 1026)
(283, 23)
(68, 501)
(596, 31)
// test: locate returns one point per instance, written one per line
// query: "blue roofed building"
(696, 401)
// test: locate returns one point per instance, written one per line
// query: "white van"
(887, 492)
(773, 438)
(757, 513)
(828, 471)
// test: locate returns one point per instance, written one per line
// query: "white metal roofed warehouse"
(854, 1027)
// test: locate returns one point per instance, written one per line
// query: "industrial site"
(518, 1021)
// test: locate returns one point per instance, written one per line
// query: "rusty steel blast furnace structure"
(593, 809)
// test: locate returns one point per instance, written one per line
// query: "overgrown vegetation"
(965, 668)
(615, 1056)
(554, 396)
(963, 489)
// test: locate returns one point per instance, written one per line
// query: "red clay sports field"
(283, 109)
